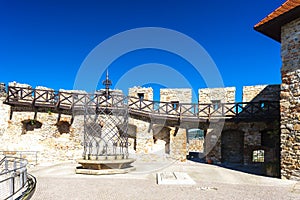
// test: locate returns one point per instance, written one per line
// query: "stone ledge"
(80, 170)
(105, 164)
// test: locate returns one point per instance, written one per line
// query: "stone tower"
(283, 25)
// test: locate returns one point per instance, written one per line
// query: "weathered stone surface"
(46, 140)
(15, 84)
(182, 95)
(195, 145)
(152, 140)
(224, 95)
(147, 92)
(4, 113)
(261, 92)
(290, 91)
(178, 144)
(297, 127)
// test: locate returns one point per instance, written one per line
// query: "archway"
(131, 134)
(161, 138)
(195, 143)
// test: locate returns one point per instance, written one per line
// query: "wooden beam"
(35, 114)
(72, 119)
(11, 113)
(59, 115)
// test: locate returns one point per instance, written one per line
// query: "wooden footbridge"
(73, 103)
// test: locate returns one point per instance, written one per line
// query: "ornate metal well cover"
(105, 127)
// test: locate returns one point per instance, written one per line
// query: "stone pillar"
(212, 145)
(252, 140)
(144, 136)
(290, 100)
(178, 144)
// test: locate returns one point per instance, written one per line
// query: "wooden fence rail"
(63, 100)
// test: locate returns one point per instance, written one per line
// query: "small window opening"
(216, 104)
(141, 96)
(264, 105)
(175, 104)
(258, 156)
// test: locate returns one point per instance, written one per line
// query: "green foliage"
(49, 112)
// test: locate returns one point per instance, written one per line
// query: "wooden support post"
(35, 114)
(11, 113)
(176, 130)
(59, 115)
(72, 119)
(150, 126)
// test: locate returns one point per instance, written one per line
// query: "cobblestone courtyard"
(212, 182)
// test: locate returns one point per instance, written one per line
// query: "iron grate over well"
(105, 126)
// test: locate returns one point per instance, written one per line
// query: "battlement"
(254, 93)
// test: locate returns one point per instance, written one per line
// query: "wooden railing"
(63, 100)
(266, 109)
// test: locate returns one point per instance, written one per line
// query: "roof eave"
(272, 28)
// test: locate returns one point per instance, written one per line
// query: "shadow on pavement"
(256, 169)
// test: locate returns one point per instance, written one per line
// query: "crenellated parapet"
(220, 95)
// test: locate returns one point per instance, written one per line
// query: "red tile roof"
(285, 7)
(271, 25)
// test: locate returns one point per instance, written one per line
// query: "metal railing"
(30, 156)
(15, 182)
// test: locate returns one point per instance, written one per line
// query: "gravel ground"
(212, 182)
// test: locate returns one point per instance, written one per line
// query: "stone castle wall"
(54, 144)
(261, 92)
(250, 140)
(290, 100)
(182, 95)
(224, 95)
(4, 116)
(148, 92)
(52, 141)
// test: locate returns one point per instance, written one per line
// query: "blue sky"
(45, 42)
